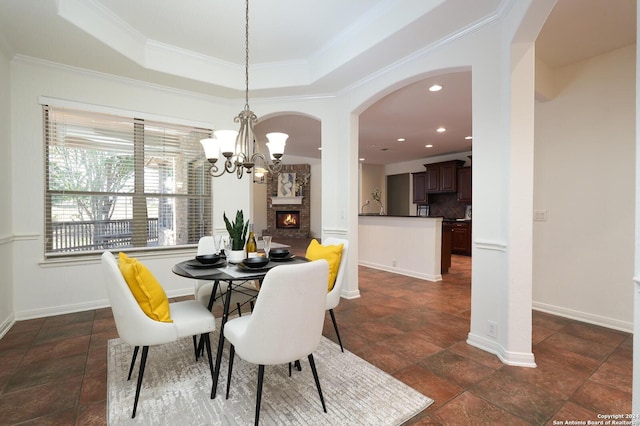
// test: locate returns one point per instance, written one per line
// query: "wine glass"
(226, 241)
(217, 241)
(267, 244)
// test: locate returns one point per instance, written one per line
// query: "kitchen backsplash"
(446, 205)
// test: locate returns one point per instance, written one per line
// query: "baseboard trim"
(81, 307)
(601, 321)
(400, 271)
(61, 310)
(354, 294)
(7, 324)
(517, 359)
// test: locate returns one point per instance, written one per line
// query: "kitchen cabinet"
(461, 238)
(442, 177)
(464, 184)
(419, 190)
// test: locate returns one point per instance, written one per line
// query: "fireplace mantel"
(286, 200)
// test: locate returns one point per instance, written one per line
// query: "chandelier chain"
(246, 57)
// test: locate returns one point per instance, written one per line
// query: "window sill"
(94, 257)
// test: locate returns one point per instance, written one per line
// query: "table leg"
(212, 298)
(225, 315)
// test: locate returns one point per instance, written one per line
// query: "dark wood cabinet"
(445, 255)
(432, 179)
(461, 238)
(449, 177)
(442, 177)
(464, 184)
(419, 190)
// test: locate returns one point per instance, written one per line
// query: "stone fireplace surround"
(304, 207)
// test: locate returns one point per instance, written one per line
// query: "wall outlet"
(393, 262)
(540, 215)
(492, 329)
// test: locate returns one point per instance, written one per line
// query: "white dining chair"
(203, 288)
(286, 323)
(189, 318)
(333, 296)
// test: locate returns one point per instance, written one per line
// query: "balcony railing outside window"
(89, 235)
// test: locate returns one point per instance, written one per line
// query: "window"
(116, 182)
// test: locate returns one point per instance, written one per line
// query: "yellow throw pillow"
(145, 288)
(331, 254)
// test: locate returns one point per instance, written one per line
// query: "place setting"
(206, 261)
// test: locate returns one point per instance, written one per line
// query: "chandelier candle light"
(240, 149)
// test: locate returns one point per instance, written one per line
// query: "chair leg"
(143, 362)
(335, 325)
(200, 348)
(315, 377)
(298, 365)
(259, 392)
(133, 361)
(232, 353)
(195, 347)
(207, 343)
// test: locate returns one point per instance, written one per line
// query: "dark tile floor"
(53, 370)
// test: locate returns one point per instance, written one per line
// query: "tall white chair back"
(333, 297)
(133, 325)
(286, 323)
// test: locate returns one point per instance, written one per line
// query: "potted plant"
(238, 236)
(377, 196)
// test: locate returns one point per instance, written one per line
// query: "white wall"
(410, 247)
(6, 258)
(584, 179)
(45, 288)
(372, 176)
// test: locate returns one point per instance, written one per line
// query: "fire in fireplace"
(286, 219)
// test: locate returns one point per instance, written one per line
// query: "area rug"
(176, 390)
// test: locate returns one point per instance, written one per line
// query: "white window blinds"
(116, 182)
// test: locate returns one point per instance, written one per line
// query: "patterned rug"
(176, 390)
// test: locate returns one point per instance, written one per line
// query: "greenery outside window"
(115, 182)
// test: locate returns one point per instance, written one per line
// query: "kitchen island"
(406, 245)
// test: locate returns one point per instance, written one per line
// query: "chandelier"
(239, 148)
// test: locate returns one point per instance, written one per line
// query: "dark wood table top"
(225, 271)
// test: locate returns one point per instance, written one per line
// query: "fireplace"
(288, 219)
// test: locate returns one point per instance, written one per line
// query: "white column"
(340, 187)
(517, 337)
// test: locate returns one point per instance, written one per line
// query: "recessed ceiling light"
(441, 130)
(468, 137)
(435, 88)
(401, 139)
(428, 146)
